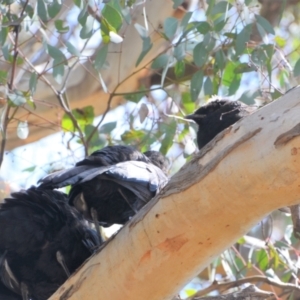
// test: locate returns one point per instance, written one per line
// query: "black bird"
(43, 241)
(6, 294)
(216, 116)
(113, 183)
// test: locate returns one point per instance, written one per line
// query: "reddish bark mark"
(173, 244)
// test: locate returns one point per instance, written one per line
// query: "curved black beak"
(194, 117)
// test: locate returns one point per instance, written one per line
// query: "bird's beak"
(194, 117)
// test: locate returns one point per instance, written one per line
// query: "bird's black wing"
(143, 179)
(105, 157)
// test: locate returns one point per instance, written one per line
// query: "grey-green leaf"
(265, 24)
(170, 27)
(42, 10)
(108, 127)
(32, 82)
(147, 45)
(160, 61)
(297, 68)
(196, 84)
(177, 3)
(101, 57)
(72, 49)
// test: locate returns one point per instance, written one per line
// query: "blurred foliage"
(210, 51)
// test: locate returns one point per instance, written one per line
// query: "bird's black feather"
(6, 294)
(34, 225)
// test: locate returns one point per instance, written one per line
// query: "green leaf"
(147, 45)
(113, 17)
(265, 24)
(58, 62)
(281, 42)
(160, 61)
(170, 27)
(108, 127)
(3, 77)
(67, 124)
(58, 69)
(187, 102)
(259, 56)
(244, 68)
(101, 57)
(78, 3)
(200, 54)
(177, 3)
(297, 68)
(135, 97)
(3, 35)
(83, 15)
(179, 68)
(167, 142)
(230, 79)
(242, 38)
(220, 60)
(179, 52)
(262, 259)
(72, 49)
(55, 53)
(186, 18)
(87, 30)
(196, 84)
(59, 25)
(95, 140)
(208, 87)
(32, 82)
(142, 31)
(241, 241)
(221, 8)
(204, 27)
(211, 5)
(54, 8)
(30, 169)
(84, 116)
(17, 97)
(42, 10)
(190, 292)
(133, 136)
(5, 51)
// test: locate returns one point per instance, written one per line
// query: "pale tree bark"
(247, 171)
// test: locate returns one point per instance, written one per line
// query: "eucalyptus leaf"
(196, 84)
(170, 27)
(101, 57)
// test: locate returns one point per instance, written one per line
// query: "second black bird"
(113, 183)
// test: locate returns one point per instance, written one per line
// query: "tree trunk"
(247, 171)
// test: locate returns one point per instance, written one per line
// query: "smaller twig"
(249, 293)
(10, 87)
(221, 287)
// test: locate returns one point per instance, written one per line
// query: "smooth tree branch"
(247, 171)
